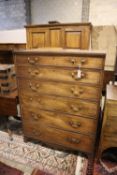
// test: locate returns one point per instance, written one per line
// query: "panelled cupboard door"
(72, 35)
(55, 37)
(38, 38)
(73, 38)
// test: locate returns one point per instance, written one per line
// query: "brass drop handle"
(75, 124)
(36, 133)
(34, 88)
(74, 108)
(77, 92)
(30, 98)
(32, 61)
(36, 72)
(75, 74)
(36, 117)
(83, 60)
(74, 91)
(73, 60)
(73, 140)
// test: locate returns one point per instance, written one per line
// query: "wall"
(12, 14)
(103, 12)
(43, 11)
(13, 36)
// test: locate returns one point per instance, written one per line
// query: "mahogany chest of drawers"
(109, 127)
(60, 94)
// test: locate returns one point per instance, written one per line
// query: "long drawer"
(59, 89)
(111, 127)
(55, 74)
(112, 110)
(65, 105)
(66, 61)
(64, 138)
(58, 120)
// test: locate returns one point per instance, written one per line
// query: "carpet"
(38, 172)
(105, 167)
(36, 156)
(7, 170)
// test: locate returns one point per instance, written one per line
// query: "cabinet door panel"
(39, 38)
(55, 35)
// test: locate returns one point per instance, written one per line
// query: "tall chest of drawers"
(59, 93)
(109, 127)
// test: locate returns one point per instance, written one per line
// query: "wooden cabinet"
(109, 128)
(71, 35)
(59, 93)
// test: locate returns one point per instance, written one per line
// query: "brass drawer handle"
(75, 76)
(73, 140)
(75, 124)
(83, 60)
(31, 99)
(36, 133)
(32, 61)
(33, 72)
(36, 117)
(75, 109)
(34, 88)
(77, 92)
(73, 60)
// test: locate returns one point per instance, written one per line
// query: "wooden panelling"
(71, 35)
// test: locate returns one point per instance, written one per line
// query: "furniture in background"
(109, 128)
(8, 87)
(58, 35)
(59, 92)
(12, 46)
(8, 104)
(7, 79)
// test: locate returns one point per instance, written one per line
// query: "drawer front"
(60, 121)
(69, 61)
(109, 141)
(112, 110)
(65, 139)
(60, 89)
(111, 127)
(70, 75)
(65, 105)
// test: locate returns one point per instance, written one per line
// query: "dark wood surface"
(109, 129)
(8, 104)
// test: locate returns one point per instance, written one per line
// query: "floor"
(15, 126)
